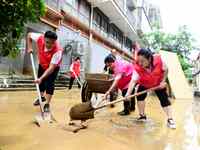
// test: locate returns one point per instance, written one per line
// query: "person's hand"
(106, 95)
(162, 85)
(29, 51)
(126, 97)
(38, 81)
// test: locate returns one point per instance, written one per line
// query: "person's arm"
(30, 38)
(165, 73)
(163, 82)
(46, 73)
(132, 83)
(114, 84)
(29, 43)
(71, 67)
(54, 63)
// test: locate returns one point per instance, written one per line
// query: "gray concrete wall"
(98, 54)
(79, 45)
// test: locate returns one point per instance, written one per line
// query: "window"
(116, 33)
(104, 25)
(128, 43)
(112, 32)
(97, 18)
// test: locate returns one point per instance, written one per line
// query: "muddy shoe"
(124, 113)
(142, 118)
(171, 124)
(46, 108)
(36, 103)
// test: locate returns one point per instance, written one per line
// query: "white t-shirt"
(56, 58)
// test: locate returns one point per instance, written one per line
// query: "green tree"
(14, 15)
(180, 42)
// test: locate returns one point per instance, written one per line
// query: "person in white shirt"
(50, 56)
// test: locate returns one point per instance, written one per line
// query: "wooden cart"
(95, 83)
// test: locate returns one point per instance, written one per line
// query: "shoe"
(46, 108)
(36, 103)
(171, 123)
(142, 118)
(123, 113)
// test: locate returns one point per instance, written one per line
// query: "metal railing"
(126, 49)
(115, 42)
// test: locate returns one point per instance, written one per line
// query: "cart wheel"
(85, 93)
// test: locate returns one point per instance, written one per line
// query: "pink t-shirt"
(124, 69)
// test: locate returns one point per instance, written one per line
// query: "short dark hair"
(50, 35)
(109, 59)
(77, 58)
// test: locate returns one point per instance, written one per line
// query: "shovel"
(43, 116)
(85, 111)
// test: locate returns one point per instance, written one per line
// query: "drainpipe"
(88, 53)
(91, 23)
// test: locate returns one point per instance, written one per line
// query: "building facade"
(89, 29)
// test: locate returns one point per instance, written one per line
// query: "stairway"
(26, 83)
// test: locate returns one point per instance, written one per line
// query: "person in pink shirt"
(122, 72)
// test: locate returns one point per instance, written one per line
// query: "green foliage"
(180, 42)
(14, 15)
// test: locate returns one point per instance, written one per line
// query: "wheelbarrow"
(96, 83)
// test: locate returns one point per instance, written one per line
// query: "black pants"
(71, 81)
(48, 83)
(128, 105)
(161, 94)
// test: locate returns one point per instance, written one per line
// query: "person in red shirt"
(75, 72)
(151, 71)
(50, 57)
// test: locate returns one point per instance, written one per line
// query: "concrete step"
(31, 81)
(26, 89)
(28, 85)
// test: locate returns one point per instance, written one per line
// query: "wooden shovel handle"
(127, 97)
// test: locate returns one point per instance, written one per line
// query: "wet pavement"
(106, 131)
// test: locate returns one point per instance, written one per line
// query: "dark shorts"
(48, 83)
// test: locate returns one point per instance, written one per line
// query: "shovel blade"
(39, 118)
